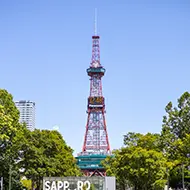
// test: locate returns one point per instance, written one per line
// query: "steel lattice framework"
(96, 136)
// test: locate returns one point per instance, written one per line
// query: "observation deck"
(96, 70)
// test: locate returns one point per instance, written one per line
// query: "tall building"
(96, 145)
(27, 113)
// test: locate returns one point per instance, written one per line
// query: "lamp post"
(167, 178)
(1, 183)
(10, 173)
(183, 185)
(167, 170)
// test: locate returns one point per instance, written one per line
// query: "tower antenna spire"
(95, 22)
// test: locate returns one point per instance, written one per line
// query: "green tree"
(176, 122)
(182, 155)
(27, 184)
(45, 153)
(174, 138)
(9, 129)
(148, 141)
(112, 165)
(140, 164)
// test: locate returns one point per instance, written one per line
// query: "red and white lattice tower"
(96, 136)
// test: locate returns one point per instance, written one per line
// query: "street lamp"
(1, 182)
(183, 185)
(167, 172)
(10, 176)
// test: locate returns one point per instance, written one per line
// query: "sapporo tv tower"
(96, 144)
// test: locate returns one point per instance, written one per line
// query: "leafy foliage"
(45, 153)
(148, 161)
(30, 154)
(27, 184)
(175, 139)
(9, 130)
(140, 164)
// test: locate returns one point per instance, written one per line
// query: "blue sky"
(45, 49)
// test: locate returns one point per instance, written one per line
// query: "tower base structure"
(91, 164)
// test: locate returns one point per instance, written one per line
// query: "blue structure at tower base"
(91, 164)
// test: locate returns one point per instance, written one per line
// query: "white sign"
(64, 185)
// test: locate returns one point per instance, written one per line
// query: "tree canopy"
(45, 153)
(175, 139)
(140, 163)
(30, 154)
(9, 130)
(150, 161)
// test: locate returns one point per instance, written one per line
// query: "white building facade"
(27, 113)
